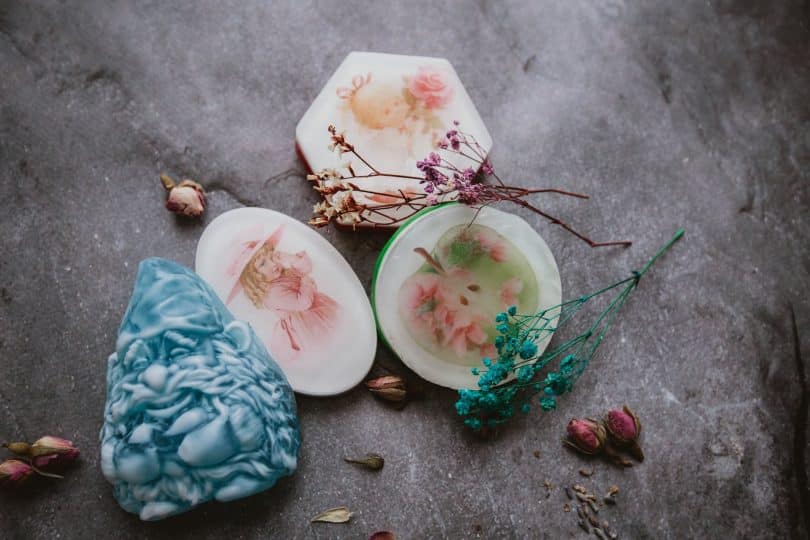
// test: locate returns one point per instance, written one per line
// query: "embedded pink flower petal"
(419, 290)
(422, 304)
(458, 343)
(510, 291)
(494, 246)
(466, 331)
(476, 334)
(488, 350)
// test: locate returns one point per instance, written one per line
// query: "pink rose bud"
(625, 428)
(186, 198)
(49, 451)
(585, 435)
(14, 472)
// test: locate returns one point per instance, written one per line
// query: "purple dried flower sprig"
(347, 203)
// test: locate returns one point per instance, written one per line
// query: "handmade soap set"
(200, 402)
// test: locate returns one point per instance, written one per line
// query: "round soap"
(298, 293)
(444, 276)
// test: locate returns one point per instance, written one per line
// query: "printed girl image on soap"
(389, 112)
(279, 281)
(449, 304)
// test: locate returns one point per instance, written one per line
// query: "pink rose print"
(428, 86)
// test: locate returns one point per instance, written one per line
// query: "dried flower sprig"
(514, 377)
(347, 203)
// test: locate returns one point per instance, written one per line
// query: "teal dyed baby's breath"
(496, 400)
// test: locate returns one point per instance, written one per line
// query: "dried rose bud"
(390, 388)
(49, 451)
(186, 198)
(382, 535)
(14, 472)
(585, 435)
(625, 428)
(21, 448)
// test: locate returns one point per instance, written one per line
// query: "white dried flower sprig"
(346, 203)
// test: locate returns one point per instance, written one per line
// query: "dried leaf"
(371, 461)
(586, 472)
(340, 514)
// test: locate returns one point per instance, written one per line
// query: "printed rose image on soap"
(398, 112)
(472, 272)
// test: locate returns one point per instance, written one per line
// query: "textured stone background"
(693, 114)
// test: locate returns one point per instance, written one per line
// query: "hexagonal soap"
(392, 108)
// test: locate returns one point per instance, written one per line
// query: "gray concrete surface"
(669, 114)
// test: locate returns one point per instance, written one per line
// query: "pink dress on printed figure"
(280, 281)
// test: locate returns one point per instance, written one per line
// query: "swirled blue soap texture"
(196, 408)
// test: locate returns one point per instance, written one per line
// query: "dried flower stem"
(442, 181)
(43, 473)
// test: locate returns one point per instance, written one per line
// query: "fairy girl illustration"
(281, 281)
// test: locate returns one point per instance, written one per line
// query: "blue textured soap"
(196, 408)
